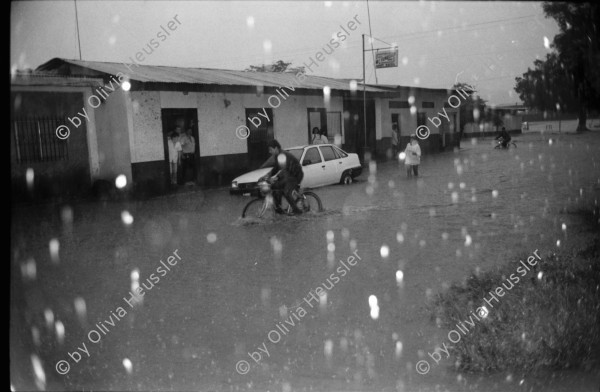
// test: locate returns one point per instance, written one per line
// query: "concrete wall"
(444, 134)
(222, 152)
(219, 114)
(113, 135)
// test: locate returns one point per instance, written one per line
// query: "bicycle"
(510, 144)
(306, 201)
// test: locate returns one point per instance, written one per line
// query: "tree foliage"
(568, 79)
(548, 86)
(473, 109)
(278, 66)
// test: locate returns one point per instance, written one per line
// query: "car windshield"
(296, 152)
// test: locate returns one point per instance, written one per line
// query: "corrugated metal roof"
(45, 79)
(162, 74)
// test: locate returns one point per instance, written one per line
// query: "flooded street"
(234, 289)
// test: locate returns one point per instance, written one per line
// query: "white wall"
(147, 143)
(408, 121)
(219, 114)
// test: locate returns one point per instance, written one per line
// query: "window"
(296, 152)
(399, 105)
(328, 153)
(312, 156)
(35, 140)
(427, 105)
(339, 153)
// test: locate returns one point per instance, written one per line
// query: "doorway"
(259, 135)
(184, 119)
(354, 127)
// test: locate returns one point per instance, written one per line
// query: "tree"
(473, 109)
(572, 75)
(547, 87)
(278, 66)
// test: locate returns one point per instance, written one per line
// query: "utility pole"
(364, 96)
(77, 24)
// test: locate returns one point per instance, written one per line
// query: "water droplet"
(540, 275)
(494, 193)
(29, 176)
(328, 349)
(54, 248)
(49, 317)
(398, 349)
(468, 240)
(38, 370)
(60, 331)
(211, 238)
(127, 218)
(372, 300)
(454, 197)
(399, 276)
(546, 43)
(330, 235)
(384, 251)
(399, 237)
(121, 181)
(128, 365)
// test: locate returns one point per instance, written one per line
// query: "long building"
(119, 117)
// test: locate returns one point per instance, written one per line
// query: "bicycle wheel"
(311, 202)
(255, 208)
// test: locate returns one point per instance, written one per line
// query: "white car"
(322, 164)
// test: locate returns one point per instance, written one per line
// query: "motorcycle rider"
(504, 137)
(287, 175)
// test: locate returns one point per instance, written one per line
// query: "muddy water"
(241, 279)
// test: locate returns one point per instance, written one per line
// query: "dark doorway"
(261, 131)
(317, 117)
(354, 127)
(185, 119)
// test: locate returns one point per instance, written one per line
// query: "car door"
(313, 168)
(331, 161)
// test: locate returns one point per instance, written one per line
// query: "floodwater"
(253, 290)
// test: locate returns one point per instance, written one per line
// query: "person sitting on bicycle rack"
(285, 176)
(504, 137)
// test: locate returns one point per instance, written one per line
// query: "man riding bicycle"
(285, 176)
(504, 137)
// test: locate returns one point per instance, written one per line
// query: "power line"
(351, 46)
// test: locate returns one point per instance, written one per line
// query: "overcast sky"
(490, 41)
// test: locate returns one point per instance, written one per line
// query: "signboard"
(386, 58)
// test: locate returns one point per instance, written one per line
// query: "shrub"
(550, 318)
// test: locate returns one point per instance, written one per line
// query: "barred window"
(35, 140)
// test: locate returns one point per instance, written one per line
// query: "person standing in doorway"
(318, 137)
(395, 140)
(174, 156)
(412, 159)
(187, 159)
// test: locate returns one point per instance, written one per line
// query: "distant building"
(125, 132)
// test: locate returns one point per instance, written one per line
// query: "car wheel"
(346, 178)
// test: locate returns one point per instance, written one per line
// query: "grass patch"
(550, 318)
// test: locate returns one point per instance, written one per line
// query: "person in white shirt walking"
(412, 157)
(174, 155)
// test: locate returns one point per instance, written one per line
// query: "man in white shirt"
(174, 155)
